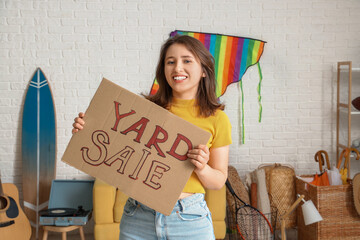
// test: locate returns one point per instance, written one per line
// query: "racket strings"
(252, 224)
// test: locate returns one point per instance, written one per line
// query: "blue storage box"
(70, 203)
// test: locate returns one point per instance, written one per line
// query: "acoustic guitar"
(14, 225)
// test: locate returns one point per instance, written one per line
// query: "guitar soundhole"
(3, 203)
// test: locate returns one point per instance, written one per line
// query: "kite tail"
(242, 113)
(259, 91)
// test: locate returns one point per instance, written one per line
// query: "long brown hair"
(205, 96)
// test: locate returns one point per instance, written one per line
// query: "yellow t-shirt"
(218, 125)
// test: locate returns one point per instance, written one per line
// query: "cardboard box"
(135, 145)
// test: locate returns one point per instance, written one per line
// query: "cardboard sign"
(136, 146)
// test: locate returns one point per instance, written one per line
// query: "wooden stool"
(63, 231)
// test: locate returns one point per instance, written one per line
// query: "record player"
(70, 203)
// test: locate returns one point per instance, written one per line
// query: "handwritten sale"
(135, 145)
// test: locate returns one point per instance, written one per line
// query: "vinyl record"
(57, 212)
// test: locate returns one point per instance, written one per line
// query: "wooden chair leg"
(82, 233)
(63, 231)
(45, 234)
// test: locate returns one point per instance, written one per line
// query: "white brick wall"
(77, 42)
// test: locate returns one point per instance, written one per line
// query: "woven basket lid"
(356, 192)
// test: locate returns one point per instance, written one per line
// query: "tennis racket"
(250, 222)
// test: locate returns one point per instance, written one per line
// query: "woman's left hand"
(199, 156)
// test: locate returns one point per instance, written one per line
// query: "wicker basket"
(335, 205)
(280, 183)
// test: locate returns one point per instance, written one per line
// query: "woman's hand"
(78, 123)
(199, 156)
(210, 165)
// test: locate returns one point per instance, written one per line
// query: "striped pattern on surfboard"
(38, 147)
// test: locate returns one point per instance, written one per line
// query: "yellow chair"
(108, 204)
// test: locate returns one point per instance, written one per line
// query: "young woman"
(186, 77)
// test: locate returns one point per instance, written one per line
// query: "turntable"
(70, 203)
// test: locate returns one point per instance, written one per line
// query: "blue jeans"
(189, 220)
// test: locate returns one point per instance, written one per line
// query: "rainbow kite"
(233, 56)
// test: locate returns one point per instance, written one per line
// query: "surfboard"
(38, 147)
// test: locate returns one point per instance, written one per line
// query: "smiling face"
(183, 71)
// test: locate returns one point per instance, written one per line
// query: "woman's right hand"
(78, 123)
